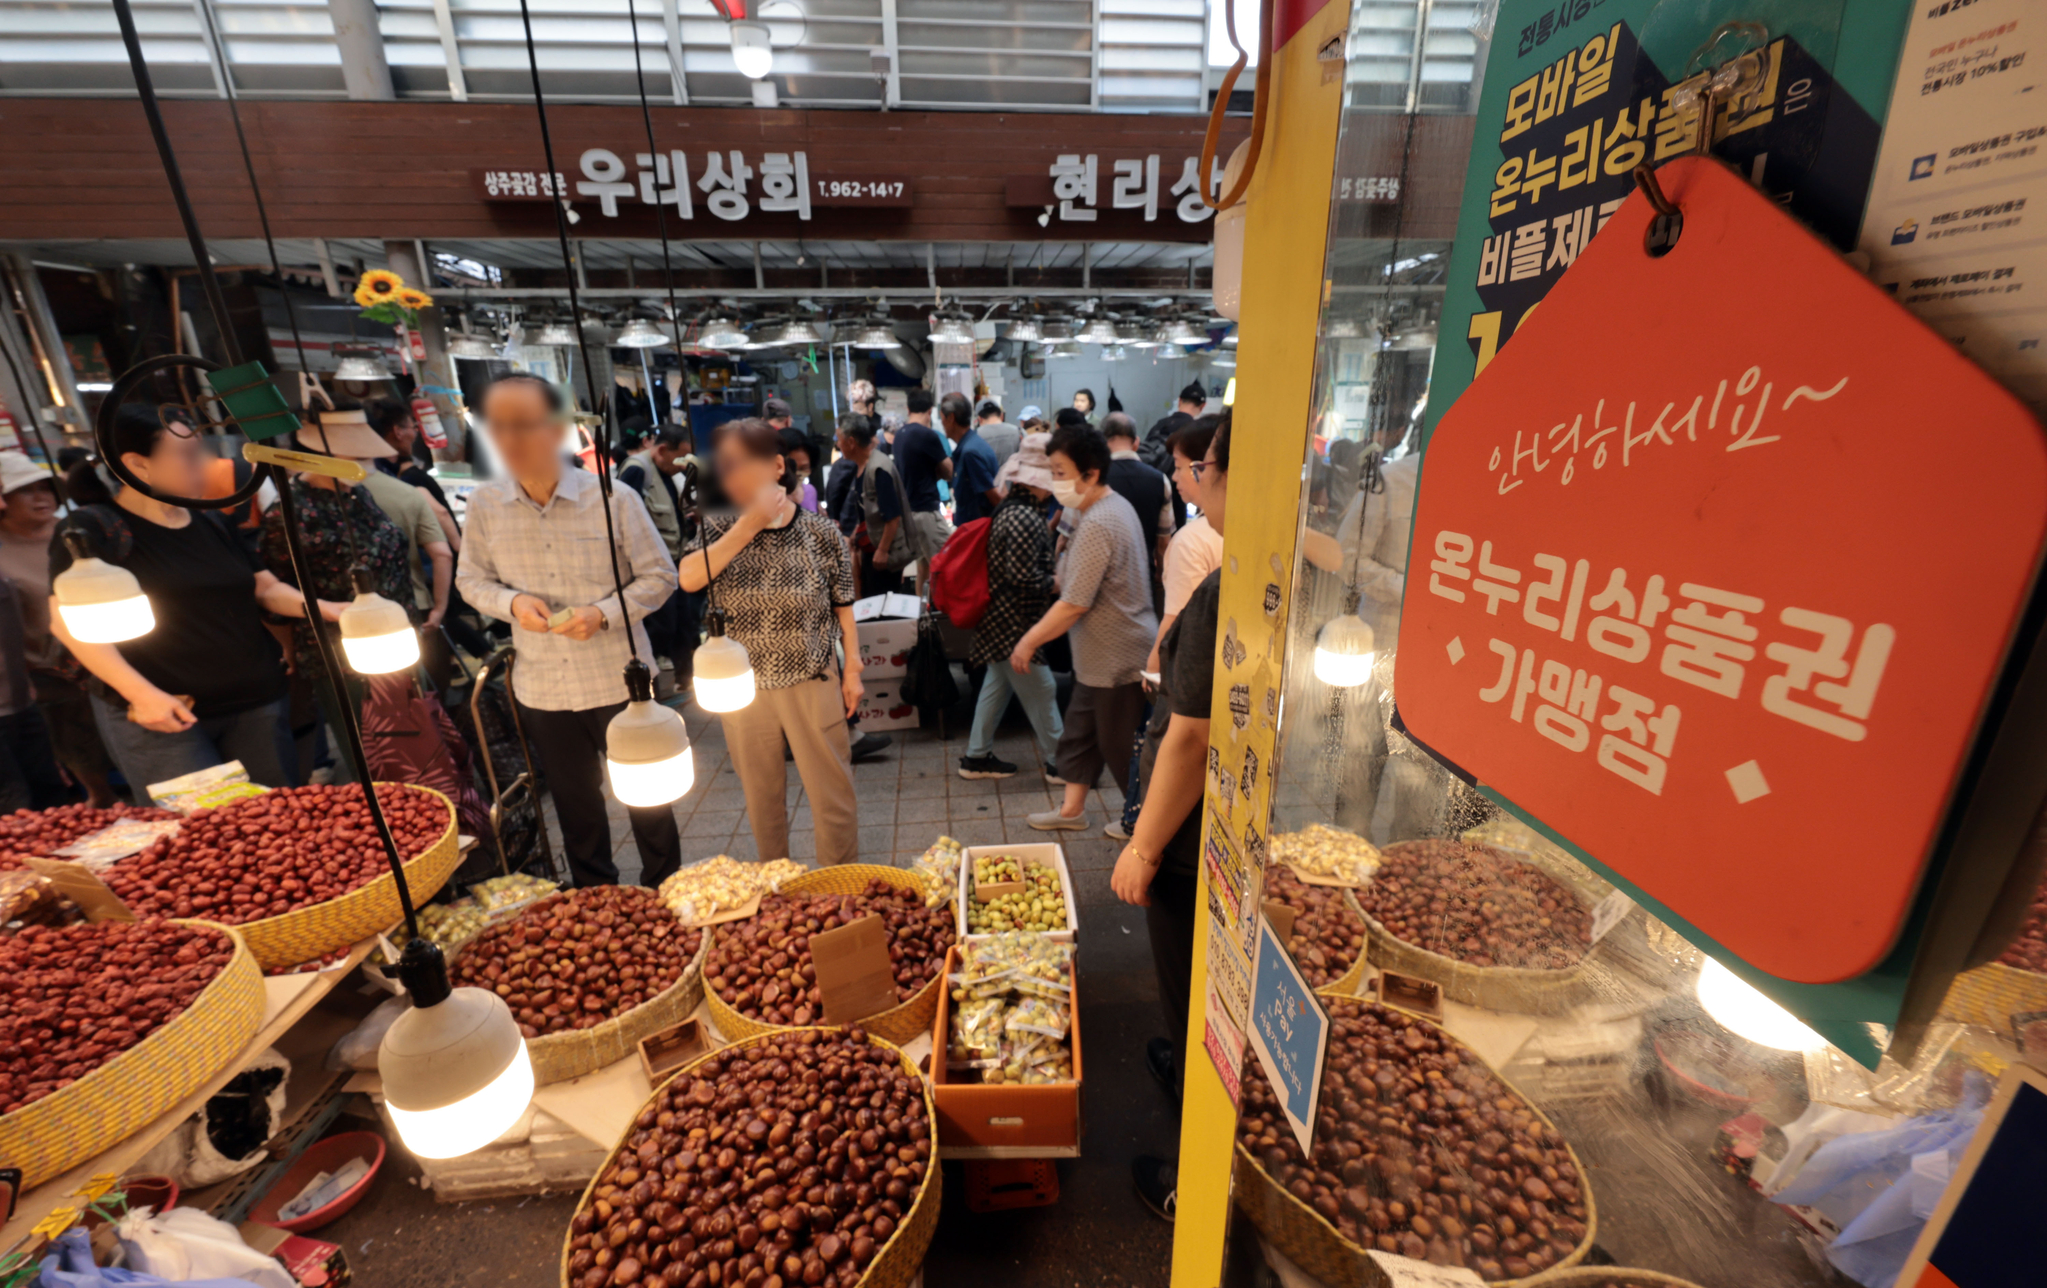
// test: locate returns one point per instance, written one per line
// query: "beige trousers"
(812, 717)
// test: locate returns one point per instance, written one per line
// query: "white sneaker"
(1052, 820)
(1115, 830)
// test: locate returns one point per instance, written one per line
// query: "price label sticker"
(1405, 1272)
(1608, 913)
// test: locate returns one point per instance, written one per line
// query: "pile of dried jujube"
(761, 967)
(74, 997)
(1477, 906)
(786, 1161)
(267, 855)
(1328, 937)
(2028, 950)
(39, 833)
(1421, 1150)
(577, 959)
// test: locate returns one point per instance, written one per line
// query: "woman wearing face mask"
(1019, 591)
(785, 582)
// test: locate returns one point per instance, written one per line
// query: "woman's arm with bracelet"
(1171, 793)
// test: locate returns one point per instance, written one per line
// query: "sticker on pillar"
(1224, 1042)
(1660, 597)
(1290, 1032)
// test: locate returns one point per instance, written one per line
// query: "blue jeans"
(255, 737)
(1133, 795)
(1040, 695)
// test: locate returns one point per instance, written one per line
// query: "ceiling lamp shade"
(641, 334)
(456, 1072)
(558, 335)
(1026, 330)
(1171, 350)
(752, 50)
(952, 328)
(376, 635)
(1742, 1008)
(724, 333)
(466, 345)
(1099, 331)
(876, 335)
(360, 365)
(1344, 651)
(1230, 340)
(1222, 358)
(1114, 353)
(101, 603)
(724, 672)
(1063, 349)
(646, 747)
(799, 332)
(1181, 331)
(1056, 329)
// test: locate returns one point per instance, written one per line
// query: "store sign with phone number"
(726, 185)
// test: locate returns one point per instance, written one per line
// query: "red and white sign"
(1714, 569)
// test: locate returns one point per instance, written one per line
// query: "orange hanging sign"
(1714, 569)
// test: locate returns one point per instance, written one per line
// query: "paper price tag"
(1404, 1272)
(1608, 913)
(853, 973)
(1282, 919)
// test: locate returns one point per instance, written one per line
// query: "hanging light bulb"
(724, 673)
(1741, 1007)
(376, 636)
(101, 603)
(557, 335)
(1344, 651)
(799, 332)
(1099, 331)
(466, 345)
(753, 52)
(456, 1073)
(639, 333)
(646, 746)
(1025, 330)
(876, 335)
(360, 364)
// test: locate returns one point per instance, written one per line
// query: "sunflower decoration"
(413, 298)
(378, 286)
(386, 298)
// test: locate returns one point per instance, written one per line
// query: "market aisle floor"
(1098, 1232)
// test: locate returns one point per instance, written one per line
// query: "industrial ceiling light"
(724, 672)
(557, 335)
(466, 345)
(1344, 651)
(1130, 332)
(1741, 1007)
(1147, 338)
(799, 332)
(360, 364)
(376, 636)
(876, 335)
(1114, 353)
(101, 603)
(1230, 340)
(1057, 329)
(1025, 330)
(724, 333)
(1171, 350)
(1062, 349)
(639, 333)
(455, 1070)
(646, 746)
(752, 51)
(952, 328)
(1098, 331)
(1181, 331)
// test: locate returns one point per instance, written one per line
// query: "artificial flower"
(413, 298)
(380, 283)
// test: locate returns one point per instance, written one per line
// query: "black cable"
(561, 229)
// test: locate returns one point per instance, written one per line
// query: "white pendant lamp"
(376, 636)
(1344, 651)
(724, 333)
(1026, 330)
(101, 603)
(646, 747)
(456, 1072)
(951, 328)
(752, 50)
(639, 333)
(1741, 1007)
(1099, 331)
(724, 673)
(876, 335)
(799, 332)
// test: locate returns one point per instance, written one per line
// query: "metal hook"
(1652, 188)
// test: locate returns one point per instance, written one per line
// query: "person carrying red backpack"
(1019, 589)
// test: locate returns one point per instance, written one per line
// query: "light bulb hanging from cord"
(753, 51)
(1344, 651)
(101, 603)
(455, 1069)
(376, 635)
(724, 672)
(646, 746)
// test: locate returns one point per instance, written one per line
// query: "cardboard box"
(885, 647)
(1040, 852)
(976, 1121)
(884, 707)
(309, 1262)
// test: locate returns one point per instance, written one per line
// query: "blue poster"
(1290, 1032)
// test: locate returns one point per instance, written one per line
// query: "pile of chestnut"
(267, 855)
(1327, 936)
(74, 997)
(785, 1161)
(579, 958)
(1477, 906)
(761, 967)
(2028, 950)
(1420, 1150)
(40, 833)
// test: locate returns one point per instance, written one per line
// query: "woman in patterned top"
(785, 582)
(1019, 592)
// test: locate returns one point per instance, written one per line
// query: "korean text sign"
(1714, 570)
(1290, 1031)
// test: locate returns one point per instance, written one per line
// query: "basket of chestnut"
(299, 871)
(795, 1159)
(106, 1025)
(1420, 1150)
(1494, 931)
(588, 973)
(759, 977)
(1328, 941)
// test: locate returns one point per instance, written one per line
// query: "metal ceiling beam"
(485, 294)
(671, 22)
(444, 18)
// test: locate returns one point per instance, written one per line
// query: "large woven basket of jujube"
(106, 1025)
(1421, 1149)
(588, 973)
(299, 871)
(1494, 931)
(758, 976)
(747, 1167)
(1607, 1277)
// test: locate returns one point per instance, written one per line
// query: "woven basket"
(1313, 1243)
(116, 1100)
(900, 1260)
(1594, 1276)
(557, 1057)
(899, 1024)
(306, 933)
(1517, 989)
(1990, 995)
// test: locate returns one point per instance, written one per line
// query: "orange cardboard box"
(976, 1121)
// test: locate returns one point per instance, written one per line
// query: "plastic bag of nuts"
(761, 966)
(791, 1159)
(1422, 1150)
(577, 959)
(1323, 851)
(1477, 906)
(706, 890)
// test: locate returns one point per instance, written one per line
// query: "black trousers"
(1169, 919)
(570, 748)
(29, 778)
